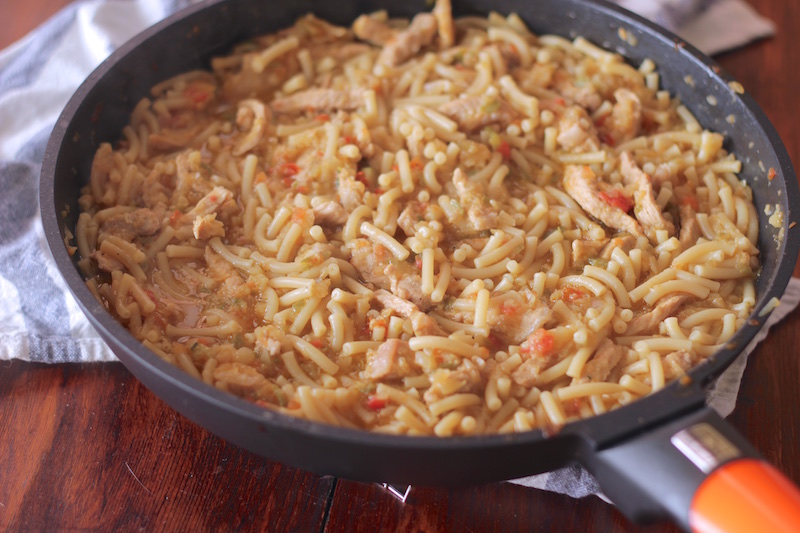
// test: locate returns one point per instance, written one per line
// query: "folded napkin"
(40, 321)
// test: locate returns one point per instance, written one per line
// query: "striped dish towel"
(39, 319)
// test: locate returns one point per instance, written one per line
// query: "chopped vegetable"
(375, 403)
(617, 199)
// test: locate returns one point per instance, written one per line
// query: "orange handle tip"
(746, 495)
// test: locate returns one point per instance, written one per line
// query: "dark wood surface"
(87, 448)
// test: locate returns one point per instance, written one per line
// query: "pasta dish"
(433, 226)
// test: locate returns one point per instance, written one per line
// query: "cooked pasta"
(428, 226)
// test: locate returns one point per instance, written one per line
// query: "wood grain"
(21, 16)
(87, 448)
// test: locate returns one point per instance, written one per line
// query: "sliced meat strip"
(646, 209)
(350, 191)
(316, 100)
(339, 53)
(330, 214)
(625, 120)
(474, 201)
(408, 42)
(585, 95)
(383, 362)
(690, 229)
(410, 217)
(648, 322)
(421, 323)
(576, 132)
(207, 226)
(212, 202)
(677, 364)
(379, 267)
(603, 361)
(368, 28)
(528, 372)
(475, 112)
(141, 222)
(582, 185)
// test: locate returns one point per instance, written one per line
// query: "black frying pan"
(650, 457)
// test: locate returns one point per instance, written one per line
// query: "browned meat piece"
(475, 112)
(647, 211)
(443, 12)
(625, 120)
(408, 42)
(382, 363)
(677, 364)
(582, 185)
(690, 229)
(528, 372)
(330, 214)
(168, 140)
(585, 95)
(515, 319)
(582, 251)
(378, 266)
(604, 360)
(315, 100)
(372, 30)
(207, 226)
(473, 200)
(127, 226)
(421, 323)
(411, 215)
(625, 243)
(576, 132)
(648, 322)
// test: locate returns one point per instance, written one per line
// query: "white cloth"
(40, 320)
(712, 26)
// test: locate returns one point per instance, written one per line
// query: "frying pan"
(664, 456)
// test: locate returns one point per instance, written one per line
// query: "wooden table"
(87, 448)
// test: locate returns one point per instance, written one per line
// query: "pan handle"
(745, 495)
(701, 473)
